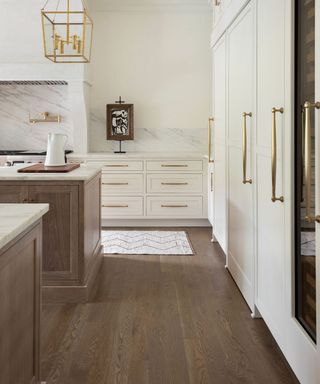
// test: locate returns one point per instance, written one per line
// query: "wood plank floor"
(162, 320)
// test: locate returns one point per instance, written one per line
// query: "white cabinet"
(241, 117)
(219, 154)
(150, 187)
(270, 215)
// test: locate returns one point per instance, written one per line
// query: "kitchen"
(158, 191)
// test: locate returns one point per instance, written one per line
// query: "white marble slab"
(18, 101)
(84, 173)
(16, 218)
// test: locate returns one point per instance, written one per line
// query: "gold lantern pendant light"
(67, 31)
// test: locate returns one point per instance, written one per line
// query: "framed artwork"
(120, 122)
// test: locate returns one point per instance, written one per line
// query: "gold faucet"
(46, 118)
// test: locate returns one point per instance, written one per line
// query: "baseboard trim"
(155, 223)
(79, 293)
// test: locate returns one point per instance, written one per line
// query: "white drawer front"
(174, 206)
(118, 166)
(175, 183)
(174, 165)
(121, 206)
(122, 183)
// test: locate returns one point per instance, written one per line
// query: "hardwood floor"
(168, 320)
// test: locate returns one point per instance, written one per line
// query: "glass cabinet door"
(305, 165)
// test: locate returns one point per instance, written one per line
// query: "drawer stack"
(148, 188)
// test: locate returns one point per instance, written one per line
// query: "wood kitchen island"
(71, 230)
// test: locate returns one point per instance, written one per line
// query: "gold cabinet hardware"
(115, 183)
(116, 165)
(173, 206)
(307, 160)
(210, 122)
(244, 148)
(274, 154)
(174, 183)
(116, 206)
(174, 165)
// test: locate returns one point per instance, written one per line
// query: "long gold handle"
(115, 206)
(116, 165)
(307, 160)
(174, 183)
(210, 121)
(274, 155)
(115, 183)
(174, 165)
(173, 206)
(244, 148)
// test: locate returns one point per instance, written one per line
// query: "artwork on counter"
(120, 121)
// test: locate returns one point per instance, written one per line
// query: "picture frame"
(120, 124)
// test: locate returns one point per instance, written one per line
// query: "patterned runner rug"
(172, 243)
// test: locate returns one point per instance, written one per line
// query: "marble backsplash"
(18, 101)
(149, 139)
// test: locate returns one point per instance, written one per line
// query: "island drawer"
(183, 183)
(170, 206)
(121, 206)
(122, 183)
(174, 165)
(118, 166)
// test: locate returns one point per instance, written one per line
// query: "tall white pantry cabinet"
(252, 164)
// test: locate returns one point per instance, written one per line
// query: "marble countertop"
(16, 218)
(84, 173)
(139, 155)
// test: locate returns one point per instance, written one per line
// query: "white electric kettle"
(55, 150)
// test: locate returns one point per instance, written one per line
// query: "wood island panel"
(20, 276)
(72, 251)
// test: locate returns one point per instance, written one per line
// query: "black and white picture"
(120, 122)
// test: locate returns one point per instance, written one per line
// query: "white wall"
(160, 62)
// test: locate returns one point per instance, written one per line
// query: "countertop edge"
(25, 215)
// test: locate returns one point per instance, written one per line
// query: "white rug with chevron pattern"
(172, 243)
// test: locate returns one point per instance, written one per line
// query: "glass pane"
(304, 230)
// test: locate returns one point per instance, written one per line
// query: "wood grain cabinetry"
(71, 233)
(20, 275)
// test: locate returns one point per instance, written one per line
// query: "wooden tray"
(41, 168)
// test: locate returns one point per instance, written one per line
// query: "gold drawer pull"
(116, 165)
(174, 165)
(174, 183)
(307, 161)
(244, 148)
(115, 183)
(173, 206)
(274, 155)
(116, 206)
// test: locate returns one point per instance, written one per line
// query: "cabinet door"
(60, 231)
(219, 145)
(241, 69)
(12, 194)
(270, 212)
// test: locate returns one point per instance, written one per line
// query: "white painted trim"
(145, 222)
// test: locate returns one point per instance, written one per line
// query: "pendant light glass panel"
(67, 32)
